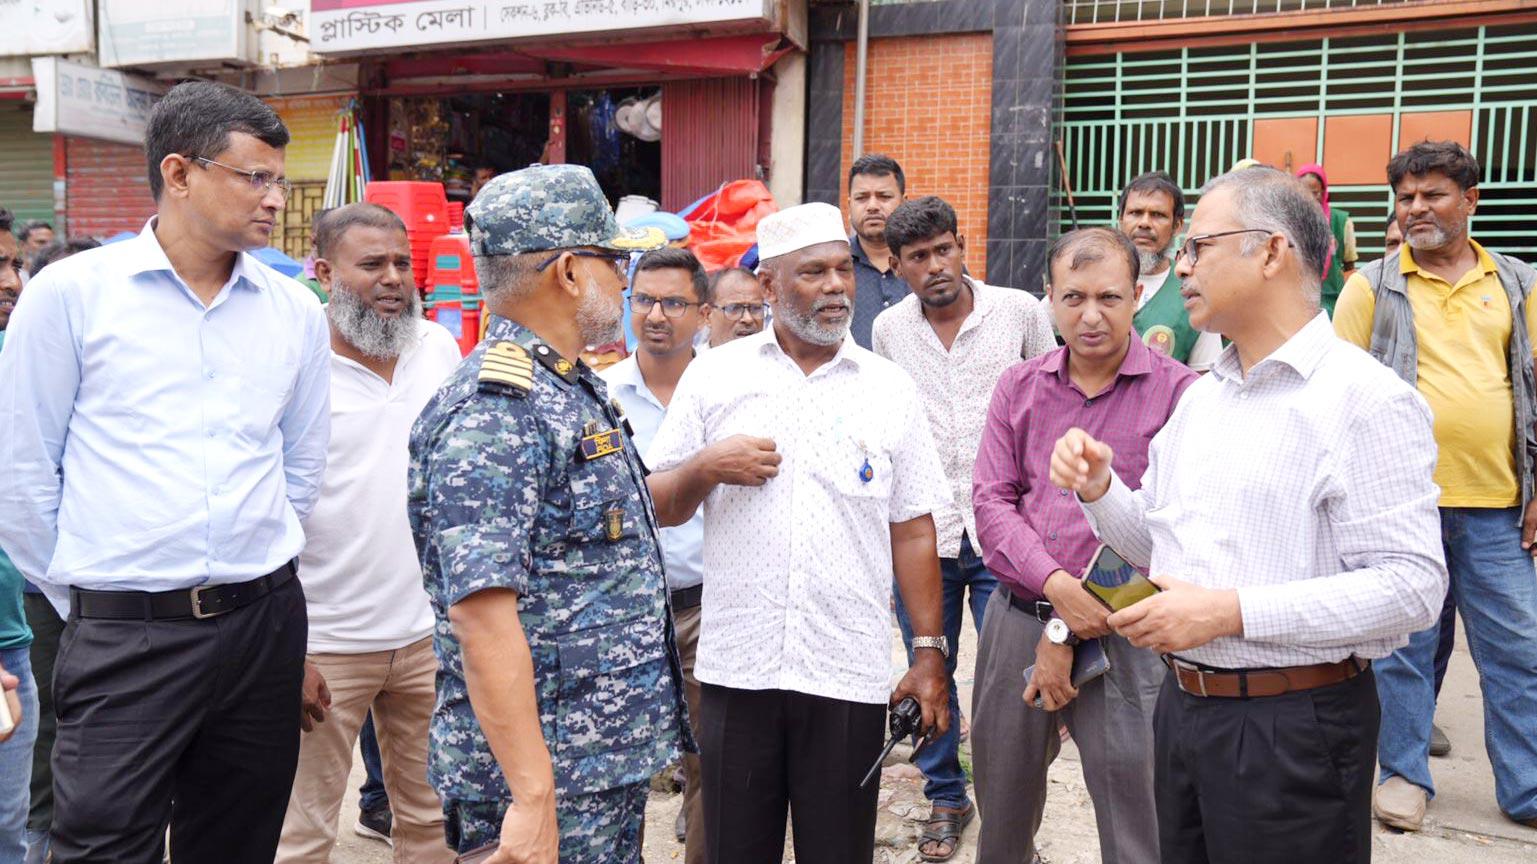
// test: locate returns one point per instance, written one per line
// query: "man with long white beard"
(370, 622)
(559, 687)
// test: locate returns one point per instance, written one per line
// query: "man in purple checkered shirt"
(1036, 540)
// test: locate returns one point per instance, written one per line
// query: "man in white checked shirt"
(1289, 515)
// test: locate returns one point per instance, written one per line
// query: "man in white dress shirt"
(1289, 515)
(166, 407)
(819, 479)
(954, 335)
(370, 640)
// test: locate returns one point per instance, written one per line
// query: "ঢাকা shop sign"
(348, 25)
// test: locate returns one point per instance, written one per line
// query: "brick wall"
(928, 106)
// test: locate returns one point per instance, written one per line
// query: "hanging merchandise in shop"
(463, 141)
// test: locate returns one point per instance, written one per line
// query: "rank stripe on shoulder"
(508, 363)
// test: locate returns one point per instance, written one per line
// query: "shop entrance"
(453, 140)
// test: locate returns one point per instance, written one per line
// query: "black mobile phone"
(1115, 583)
(1089, 662)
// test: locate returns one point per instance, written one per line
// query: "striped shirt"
(1305, 485)
(1027, 527)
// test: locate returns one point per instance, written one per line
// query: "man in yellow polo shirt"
(1454, 319)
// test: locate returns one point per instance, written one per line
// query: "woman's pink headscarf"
(1323, 180)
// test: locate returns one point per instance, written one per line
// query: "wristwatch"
(1058, 634)
(939, 642)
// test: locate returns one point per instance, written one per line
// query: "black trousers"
(762, 751)
(1280, 779)
(186, 722)
(47, 629)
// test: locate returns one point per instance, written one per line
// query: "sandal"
(945, 827)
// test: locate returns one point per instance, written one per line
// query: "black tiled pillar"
(824, 121)
(1027, 47)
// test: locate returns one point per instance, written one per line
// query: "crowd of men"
(539, 586)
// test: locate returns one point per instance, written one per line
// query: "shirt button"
(1088, 402)
(1053, 535)
(210, 374)
(210, 433)
(1062, 492)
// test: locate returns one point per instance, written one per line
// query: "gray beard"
(598, 321)
(1436, 241)
(1151, 262)
(806, 326)
(366, 330)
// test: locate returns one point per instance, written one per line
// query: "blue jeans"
(940, 759)
(16, 758)
(1495, 586)
(371, 795)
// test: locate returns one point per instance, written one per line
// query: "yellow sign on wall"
(311, 123)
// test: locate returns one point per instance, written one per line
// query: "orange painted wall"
(928, 106)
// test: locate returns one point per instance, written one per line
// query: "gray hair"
(1278, 203)
(505, 276)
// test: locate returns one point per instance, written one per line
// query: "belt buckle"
(197, 605)
(1200, 675)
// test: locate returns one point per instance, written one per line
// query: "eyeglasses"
(260, 181)
(620, 260)
(672, 307)
(1192, 247)
(735, 311)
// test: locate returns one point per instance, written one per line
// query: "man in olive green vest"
(1152, 215)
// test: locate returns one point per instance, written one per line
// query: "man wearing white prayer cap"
(819, 477)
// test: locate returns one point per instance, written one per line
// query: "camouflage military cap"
(549, 207)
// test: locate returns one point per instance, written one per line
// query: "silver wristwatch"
(1058, 633)
(940, 642)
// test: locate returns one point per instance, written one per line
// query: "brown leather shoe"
(1400, 804)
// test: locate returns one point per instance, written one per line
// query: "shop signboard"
(162, 32)
(85, 101)
(361, 25)
(46, 27)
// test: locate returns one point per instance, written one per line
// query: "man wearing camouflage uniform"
(559, 688)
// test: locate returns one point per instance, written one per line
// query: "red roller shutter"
(710, 134)
(107, 189)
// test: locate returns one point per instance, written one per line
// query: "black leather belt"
(687, 598)
(1040, 610)
(204, 601)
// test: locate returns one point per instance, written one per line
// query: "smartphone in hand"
(1115, 583)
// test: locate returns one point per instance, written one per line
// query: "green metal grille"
(1191, 112)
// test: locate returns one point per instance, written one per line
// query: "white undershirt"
(362, 579)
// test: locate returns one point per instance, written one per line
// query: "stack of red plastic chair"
(456, 216)
(453, 290)
(424, 209)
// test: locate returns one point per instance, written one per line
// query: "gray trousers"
(1012, 743)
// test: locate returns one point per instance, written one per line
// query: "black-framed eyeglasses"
(735, 311)
(672, 307)
(259, 181)
(1192, 247)
(620, 260)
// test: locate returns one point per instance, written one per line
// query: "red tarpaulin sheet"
(724, 225)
